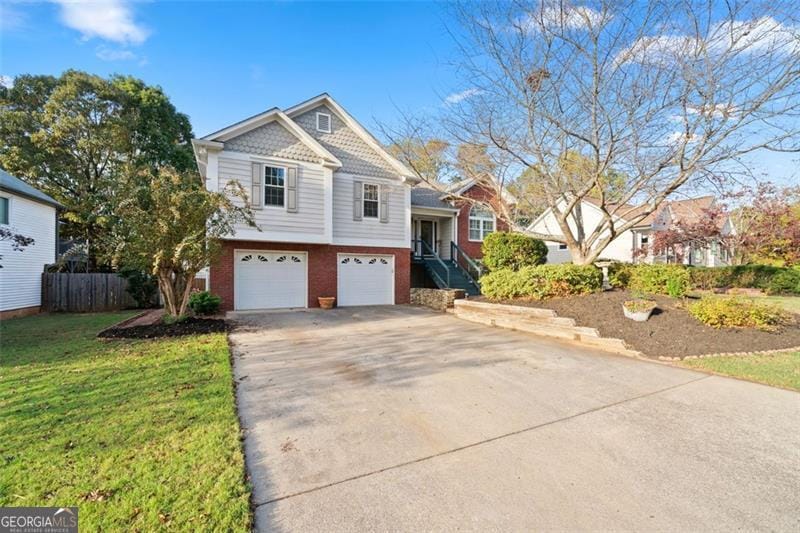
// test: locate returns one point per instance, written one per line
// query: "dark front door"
(427, 234)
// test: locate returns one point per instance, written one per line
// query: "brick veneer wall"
(480, 193)
(322, 268)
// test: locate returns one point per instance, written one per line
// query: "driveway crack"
(481, 442)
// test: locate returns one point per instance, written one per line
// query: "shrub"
(142, 287)
(785, 282)
(540, 282)
(512, 250)
(619, 274)
(204, 303)
(732, 312)
(660, 279)
(740, 277)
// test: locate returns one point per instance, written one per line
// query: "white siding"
(21, 275)
(395, 233)
(306, 225)
(445, 236)
(620, 249)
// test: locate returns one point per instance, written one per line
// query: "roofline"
(357, 127)
(267, 117)
(425, 208)
(471, 182)
(50, 202)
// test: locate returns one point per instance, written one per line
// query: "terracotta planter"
(326, 302)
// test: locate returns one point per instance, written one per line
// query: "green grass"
(140, 435)
(779, 370)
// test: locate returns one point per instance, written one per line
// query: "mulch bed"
(189, 326)
(670, 331)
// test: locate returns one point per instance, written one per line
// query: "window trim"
(364, 201)
(264, 185)
(330, 122)
(8, 210)
(562, 246)
(481, 219)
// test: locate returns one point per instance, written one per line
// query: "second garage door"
(365, 280)
(270, 280)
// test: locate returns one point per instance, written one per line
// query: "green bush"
(512, 250)
(204, 303)
(542, 281)
(619, 274)
(732, 312)
(785, 282)
(740, 277)
(660, 279)
(142, 287)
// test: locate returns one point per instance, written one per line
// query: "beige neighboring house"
(624, 247)
(32, 213)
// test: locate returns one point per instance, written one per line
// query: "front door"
(427, 234)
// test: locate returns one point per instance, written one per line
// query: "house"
(334, 213)
(632, 245)
(29, 212)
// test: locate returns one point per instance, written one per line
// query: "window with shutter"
(274, 186)
(371, 198)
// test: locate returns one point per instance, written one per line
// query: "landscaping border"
(729, 354)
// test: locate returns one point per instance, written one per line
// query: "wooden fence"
(84, 293)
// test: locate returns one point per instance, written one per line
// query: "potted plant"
(639, 309)
(326, 302)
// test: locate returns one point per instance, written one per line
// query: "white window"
(274, 186)
(370, 200)
(4, 205)
(323, 122)
(481, 222)
(562, 246)
(644, 240)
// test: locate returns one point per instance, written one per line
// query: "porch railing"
(466, 264)
(425, 251)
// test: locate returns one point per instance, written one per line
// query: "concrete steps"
(537, 321)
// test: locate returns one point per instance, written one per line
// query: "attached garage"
(365, 279)
(270, 280)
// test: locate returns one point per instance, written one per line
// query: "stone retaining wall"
(439, 299)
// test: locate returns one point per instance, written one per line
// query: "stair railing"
(426, 250)
(473, 270)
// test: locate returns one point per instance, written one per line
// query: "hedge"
(726, 312)
(542, 281)
(654, 278)
(512, 250)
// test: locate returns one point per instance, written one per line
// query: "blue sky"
(223, 61)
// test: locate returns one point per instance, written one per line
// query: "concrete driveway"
(398, 418)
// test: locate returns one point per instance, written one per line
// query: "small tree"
(171, 226)
(18, 241)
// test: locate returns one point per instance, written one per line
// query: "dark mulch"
(669, 332)
(189, 326)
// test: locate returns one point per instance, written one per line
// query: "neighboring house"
(29, 212)
(632, 245)
(332, 206)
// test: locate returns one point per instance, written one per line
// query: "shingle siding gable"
(272, 140)
(357, 157)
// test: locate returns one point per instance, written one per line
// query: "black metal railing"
(466, 264)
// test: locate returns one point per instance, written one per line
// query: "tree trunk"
(188, 278)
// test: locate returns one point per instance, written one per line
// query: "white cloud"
(6, 81)
(764, 34)
(561, 16)
(11, 18)
(456, 98)
(680, 137)
(114, 54)
(111, 20)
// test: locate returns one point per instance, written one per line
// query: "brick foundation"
(322, 268)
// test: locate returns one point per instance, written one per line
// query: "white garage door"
(270, 280)
(365, 280)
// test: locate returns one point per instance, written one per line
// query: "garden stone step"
(537, 321)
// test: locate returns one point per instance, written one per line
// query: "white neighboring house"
(29, 212)
(624, 246)
(620, 249)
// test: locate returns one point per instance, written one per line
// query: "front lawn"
(779, 370)
(138, 434)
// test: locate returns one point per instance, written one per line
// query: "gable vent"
(323, 122)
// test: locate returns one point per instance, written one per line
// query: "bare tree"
(659, 93)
